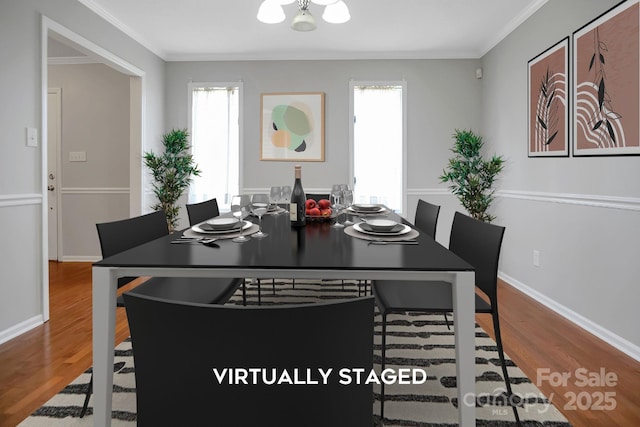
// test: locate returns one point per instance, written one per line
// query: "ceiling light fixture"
(272, 12)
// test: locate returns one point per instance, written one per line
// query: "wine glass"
(275, 195)
(286, 195)
(259, 206)
(336, 202)
(347, 200)
(239, 210)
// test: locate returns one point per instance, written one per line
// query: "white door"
(378, 143)
(54, 128)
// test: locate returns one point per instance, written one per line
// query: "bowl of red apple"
(318, 211)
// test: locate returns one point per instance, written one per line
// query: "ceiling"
(379, 29)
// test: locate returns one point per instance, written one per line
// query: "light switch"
(32, 137)
(77, 156)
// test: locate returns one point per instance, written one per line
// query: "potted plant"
(172, 173)
(471, 176)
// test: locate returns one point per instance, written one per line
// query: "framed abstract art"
(548, 106)
(292, 126)
(606, 64)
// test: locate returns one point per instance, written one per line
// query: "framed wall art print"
(292, 126)
(606, 64)
(548, 106)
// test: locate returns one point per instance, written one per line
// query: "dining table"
(318, 250)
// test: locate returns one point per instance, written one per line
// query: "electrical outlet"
(536, 258)
(77, 156)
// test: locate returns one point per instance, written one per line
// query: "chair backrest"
(427, 217)
(118, 236)
(202, 211)
(181, 351)
(317, 197)
(479, 244)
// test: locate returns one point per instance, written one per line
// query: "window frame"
(402, 83)
(222, 84)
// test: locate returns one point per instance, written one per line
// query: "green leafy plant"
(471, 176)
(172, 173)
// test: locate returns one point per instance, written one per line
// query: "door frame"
(403, 84)
(58, 157)
(51, 28)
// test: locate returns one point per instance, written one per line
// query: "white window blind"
(378, 145)
(215, 141)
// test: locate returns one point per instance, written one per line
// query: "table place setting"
(383, 231)
(217, 229)
(368, 210)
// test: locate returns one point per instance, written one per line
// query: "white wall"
(95, 120)
(21, 192)
(442, 95)
(582, 214)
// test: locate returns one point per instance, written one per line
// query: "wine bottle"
(298, 200)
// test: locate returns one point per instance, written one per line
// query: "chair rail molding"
(604, 334)
(7, 200)
(429, 192)
(94, 190)
(601, 201)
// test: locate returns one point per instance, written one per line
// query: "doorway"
(53, 30)
(378, 143)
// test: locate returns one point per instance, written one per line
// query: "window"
(378, 143)
(215, 142)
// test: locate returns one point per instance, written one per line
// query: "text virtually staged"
(317, 376)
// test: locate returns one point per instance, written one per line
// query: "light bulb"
(336, 13)
(270, 12)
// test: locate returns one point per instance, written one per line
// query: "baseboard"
(80, 258)
(20, 328)
(604, 334)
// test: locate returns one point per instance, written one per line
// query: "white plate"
(404, 230)
(355, 209)
(383, 225)
(220, 224)
(245, 225)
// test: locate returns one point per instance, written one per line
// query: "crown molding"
(104, 14)
(322, 56)
(512, 25)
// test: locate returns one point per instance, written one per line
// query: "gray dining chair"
(479, 244)
(426, 218)
(185, 356)
(199, 212)
(202, 211)
(118, 236)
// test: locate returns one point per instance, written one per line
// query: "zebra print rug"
(413, 341)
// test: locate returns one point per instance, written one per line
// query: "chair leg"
(273, 285)
(293, 283)
(496, 328)
(383, 362)
(446, 319)
(259, 293)
(86, 397)
(244, 291)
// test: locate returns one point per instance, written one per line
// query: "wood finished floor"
(38, 364)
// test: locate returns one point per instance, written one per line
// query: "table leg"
(464, 320)
(105, 284)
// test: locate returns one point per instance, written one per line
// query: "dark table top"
(316, 246)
